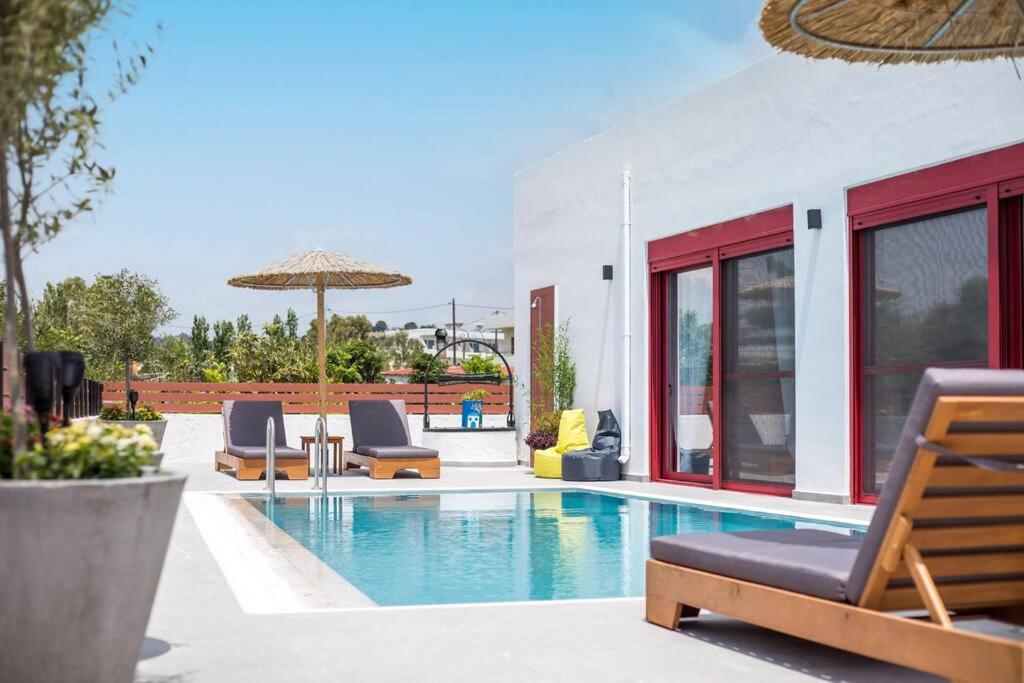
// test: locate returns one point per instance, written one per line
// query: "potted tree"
(85, 521)
(85, 518)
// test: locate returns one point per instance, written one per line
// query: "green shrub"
(7, 441)
(481, 365)
(89, 450)
(426, 369)
(475, 395)
(119, 412)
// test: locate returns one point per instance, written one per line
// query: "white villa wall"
(785, 130)
(194, 438)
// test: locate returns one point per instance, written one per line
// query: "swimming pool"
(496, 546)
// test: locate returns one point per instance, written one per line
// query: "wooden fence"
(86, 402)
(202, 397)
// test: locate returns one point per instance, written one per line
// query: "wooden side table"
(338, 442)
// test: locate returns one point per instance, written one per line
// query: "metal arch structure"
(510, 419)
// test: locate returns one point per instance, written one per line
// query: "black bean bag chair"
(600, 462)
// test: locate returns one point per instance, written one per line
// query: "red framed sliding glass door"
(936, 283)
(723, 407)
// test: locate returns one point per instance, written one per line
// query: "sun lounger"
(245, 441)
(381, 441)
(947, 539)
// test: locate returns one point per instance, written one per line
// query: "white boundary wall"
(194, 438)
(785, 130)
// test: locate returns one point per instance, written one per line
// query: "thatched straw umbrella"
(321, 270)
(896, 31)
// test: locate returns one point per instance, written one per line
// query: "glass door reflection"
(691, 375)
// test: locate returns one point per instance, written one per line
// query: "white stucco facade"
(783, 131)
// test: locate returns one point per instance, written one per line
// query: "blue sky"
(386, 130)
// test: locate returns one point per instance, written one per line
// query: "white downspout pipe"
(627, 223)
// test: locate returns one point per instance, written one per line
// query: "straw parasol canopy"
(312, 269)
(321, 270)
(896, 31)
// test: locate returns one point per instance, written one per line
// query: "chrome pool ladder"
(271, 460)
(320, 455)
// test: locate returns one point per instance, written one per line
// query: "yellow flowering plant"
(89, 450)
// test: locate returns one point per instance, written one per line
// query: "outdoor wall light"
(814, 219)
(606, 272)
(440, 336)
(72, 370)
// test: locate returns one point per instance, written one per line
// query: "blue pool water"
(495, 546)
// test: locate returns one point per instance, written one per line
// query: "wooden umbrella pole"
(321, 346)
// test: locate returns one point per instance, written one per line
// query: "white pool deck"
(317, 629)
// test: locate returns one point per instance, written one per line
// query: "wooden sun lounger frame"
(938, 647)
(250, 469)
(385, 468)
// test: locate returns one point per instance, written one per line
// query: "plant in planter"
(143, 415)
(473, 409)
(545, 431)
(84, 529)
(82, 535)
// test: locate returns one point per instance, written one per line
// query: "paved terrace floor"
(198, 631)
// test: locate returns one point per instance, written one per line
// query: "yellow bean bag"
(572, 436)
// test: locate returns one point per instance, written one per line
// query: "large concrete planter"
(79, 566)
(158, 427)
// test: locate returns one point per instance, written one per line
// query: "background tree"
(199, 340)
(271, 357)
(380, 326)
(482, 365)
(426, 369)
(291, 324)
(243, 324)
(410, 326)
(223, 338)
(399, 349)
(59, 318)
(49, 130)
(356, 362)
(172, 361)
(342, 329)
(125, 310)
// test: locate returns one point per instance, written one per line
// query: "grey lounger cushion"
(381, 430)
(280, 452)
(245, 424)
(808, 561)
(396, 452)
(378, 423)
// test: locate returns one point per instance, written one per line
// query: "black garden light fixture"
(133, 398)
(440, 337)
(72, 371)
(40, 372)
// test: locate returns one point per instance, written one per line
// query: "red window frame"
(764, 231)
(990, 178)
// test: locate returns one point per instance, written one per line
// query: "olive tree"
(125, 310)
(49, 128)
